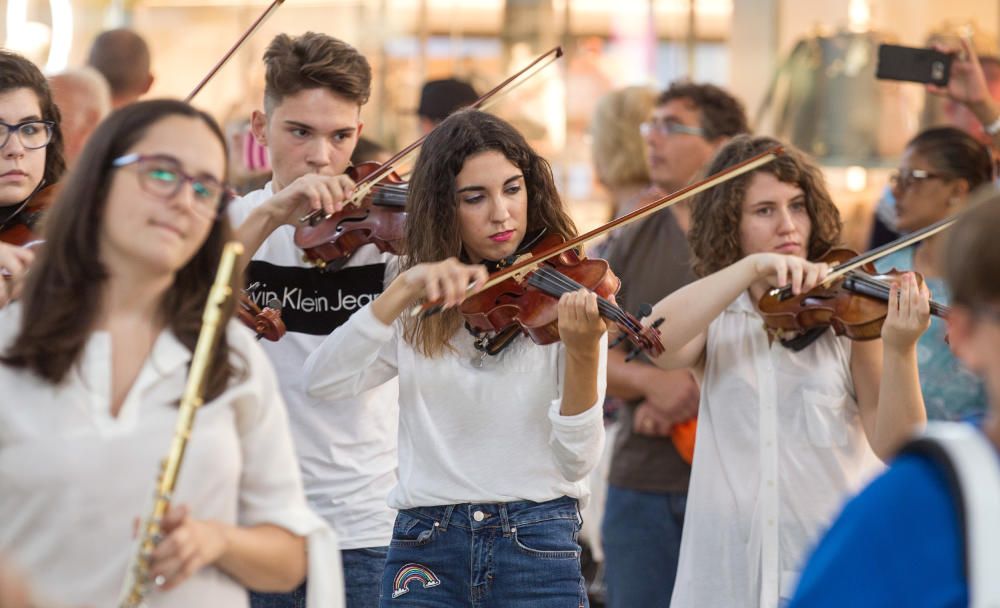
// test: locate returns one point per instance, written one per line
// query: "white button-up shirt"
(779, 447)
(73, 478)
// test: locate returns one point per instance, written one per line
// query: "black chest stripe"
(314, 302)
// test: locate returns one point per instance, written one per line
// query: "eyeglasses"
(33, 134)
(161, 175)
(904, 178)
(667, 127)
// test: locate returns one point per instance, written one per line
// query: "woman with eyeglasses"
(939, 168)
(93, 360)
(31, 157)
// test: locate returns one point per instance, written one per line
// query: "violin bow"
(528, 263)
(877, 253)
(364, 186)
(250, 31)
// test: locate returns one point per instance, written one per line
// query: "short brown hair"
(16, 72)
(971, 255)
(716, 214)
(722, 115)
(313, 61)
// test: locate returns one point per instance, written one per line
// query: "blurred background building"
(804, 68)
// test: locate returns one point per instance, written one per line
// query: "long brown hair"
(16, 72)
(432, 230)
(716, 213)
(63, 292)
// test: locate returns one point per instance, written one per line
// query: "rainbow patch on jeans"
(413, 572)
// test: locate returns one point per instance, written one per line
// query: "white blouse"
(472, 428)
(779, 448)
(73, 478)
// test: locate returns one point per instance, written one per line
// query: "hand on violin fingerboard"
(580, 322)
(908, 314)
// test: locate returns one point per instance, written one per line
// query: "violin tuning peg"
(274, 303)
(645, 310)
(657, 323)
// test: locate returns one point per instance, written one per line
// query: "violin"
(19, 229)
(378, 218)
(853, 299)
(529, 301)
(854, 304)
(266, 322)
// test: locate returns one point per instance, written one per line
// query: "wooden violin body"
(379, 219)
(531, 300)
(854, 305)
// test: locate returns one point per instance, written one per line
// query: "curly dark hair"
(16, 72)
(313, 61)
(722, 115)
(432, 230)
(716, 213)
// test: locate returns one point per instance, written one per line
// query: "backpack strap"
(972, 468)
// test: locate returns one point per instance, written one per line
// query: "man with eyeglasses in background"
(648, 478)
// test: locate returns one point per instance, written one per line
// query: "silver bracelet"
(993, 128)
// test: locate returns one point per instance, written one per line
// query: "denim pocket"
(550, 539)
(410, 531)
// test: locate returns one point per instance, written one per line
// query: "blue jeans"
(362, 577)
(517, 554)
(642, 540)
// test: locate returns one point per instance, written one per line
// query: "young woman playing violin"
(31, 156)
(938, 170)
(93, 361)
(783, 435)
(494, 451)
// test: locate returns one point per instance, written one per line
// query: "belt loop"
(446, 517)
(504, 521)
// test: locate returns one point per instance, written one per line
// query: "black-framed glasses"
(904, 178)
(33, 134)
(668, 127)
(161, 175)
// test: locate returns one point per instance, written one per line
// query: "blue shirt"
(897, 543)
(951, 392)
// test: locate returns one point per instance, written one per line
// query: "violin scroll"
(266, 322)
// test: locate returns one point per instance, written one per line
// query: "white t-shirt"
(346, 447)
(779, 448)
(73, 478)
(469, 433)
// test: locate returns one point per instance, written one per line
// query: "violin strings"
(557, 279)
(883, 288)
(560, 283)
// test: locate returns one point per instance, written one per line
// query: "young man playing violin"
(311, 121)
(784, 434)
(31, 156)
